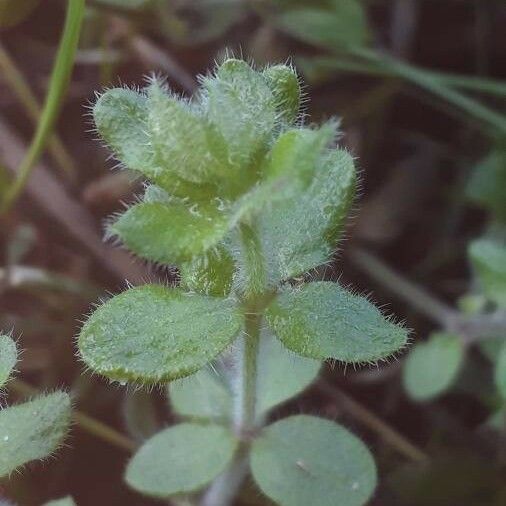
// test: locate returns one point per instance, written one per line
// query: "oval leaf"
(281, 373)
(301, 458)
(311, 224)
(322, 320)
(170, 233)
(153, 334)
(432, 367)
(205, 395)
(8, 358)
(32, 430)
(180, 459)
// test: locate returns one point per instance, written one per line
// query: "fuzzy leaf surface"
(180, 459)
(284, 85)
(123, 121)
(300, 458)
(311, 224)
(489, 259)
(170, 232)
(242, 109)
(32, 430)
(152, 334)
(432, 366)
(211, 273)
(8, 357)
(322, 320)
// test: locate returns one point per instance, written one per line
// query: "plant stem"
(58, 84)
(244, 383)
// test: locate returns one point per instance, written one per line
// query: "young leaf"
(122, 120)
(288, 170)
(322, 320)
(431, 367)
(242, 109)
(210, 274)
(284, 84)
(153, 334)
(500, 372)
(203, 395)
(172, 232)
(179, 137)
(180, 459)
(32, 430)
(311, 224)
(489, 260)
(120, 116)
(281, 374)
(343, 24)
(8, 358)
(301, 458)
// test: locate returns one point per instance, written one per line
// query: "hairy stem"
(244, 383)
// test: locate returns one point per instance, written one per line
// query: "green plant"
(246, 200)
(32, 430)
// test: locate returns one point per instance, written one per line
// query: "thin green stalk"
(373, 67)
(21, 89)
(58, 84)
(244, 386)
(427, 81)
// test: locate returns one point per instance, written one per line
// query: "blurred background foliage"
(420, 87)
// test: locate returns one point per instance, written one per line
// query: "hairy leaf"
(153, 334)
(311, 224)
(179, 137)
(8, 357)
(32, 430)
(285, 87)
(242, 109)
(431, 367)
(122, 120)
(180, 459)
(301, 458)
(489, 260)
(170, 232)
(322, 320)
(210, 274)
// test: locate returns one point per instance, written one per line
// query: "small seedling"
(246, 200)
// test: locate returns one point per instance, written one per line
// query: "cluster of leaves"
(32, 430)
(243, 198)
(432, 367)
